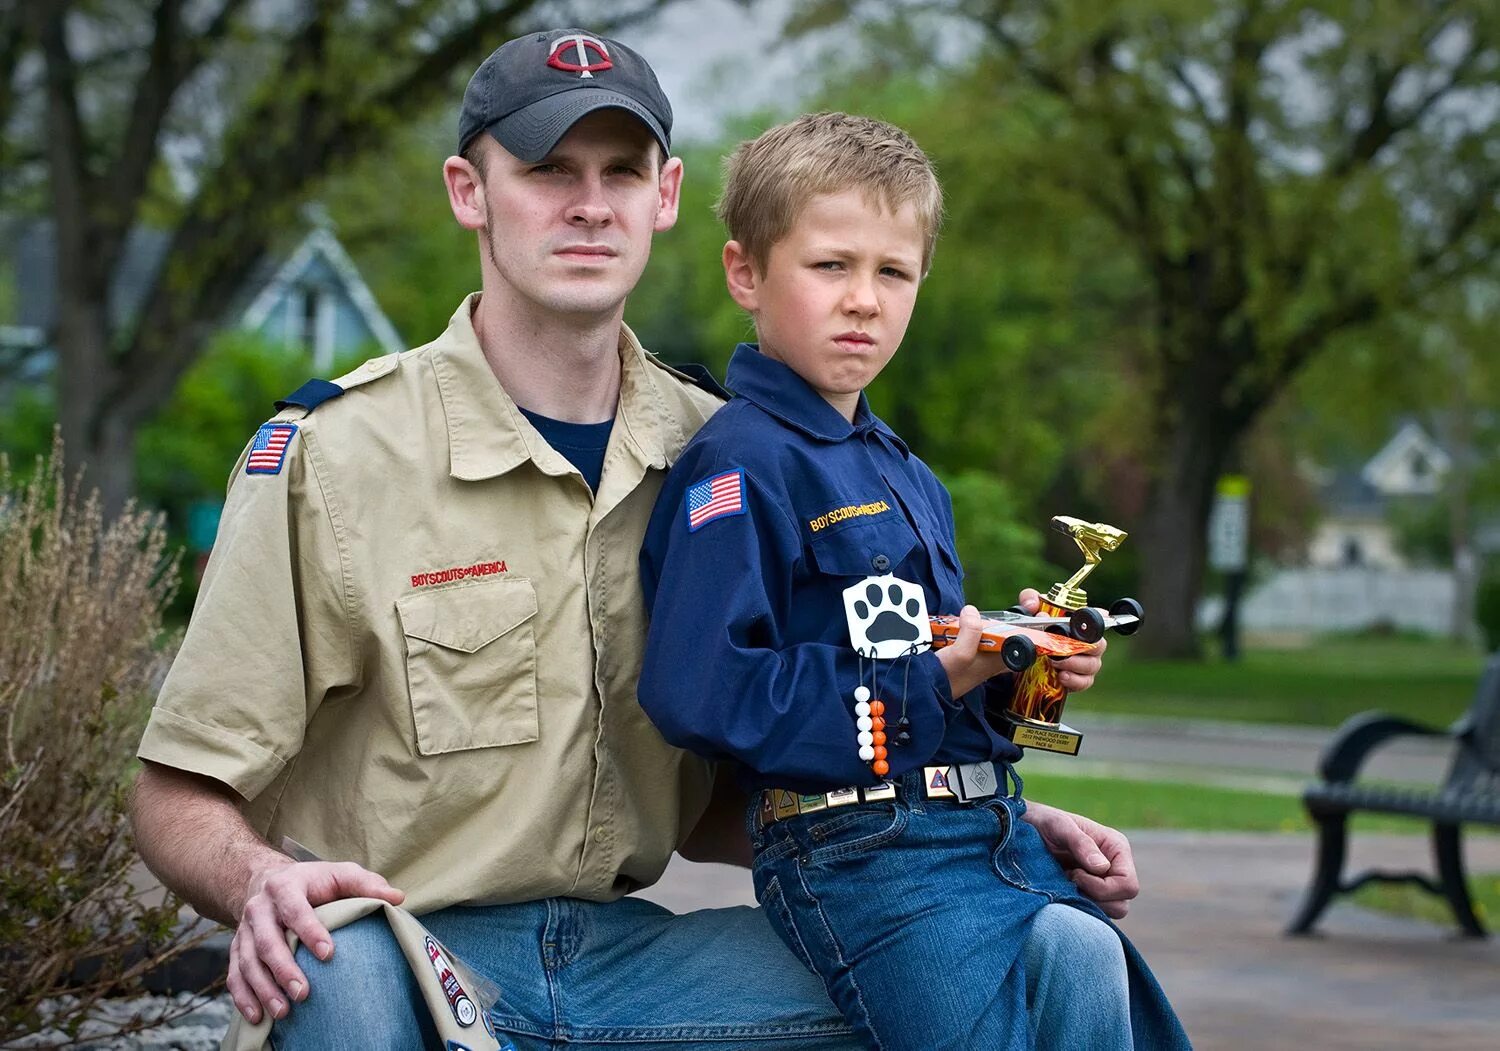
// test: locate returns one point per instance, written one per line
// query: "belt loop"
(1010, 772)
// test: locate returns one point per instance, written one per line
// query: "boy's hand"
(966, 666)
(1077, 672)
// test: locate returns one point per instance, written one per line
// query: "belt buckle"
(937, 782)
(842, 797)
(971, 781)
(785, 804)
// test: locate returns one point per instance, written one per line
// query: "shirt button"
(881, 563)
(599, 832)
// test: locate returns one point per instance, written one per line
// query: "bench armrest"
(1361, 735)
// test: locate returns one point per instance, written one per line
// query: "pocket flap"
(858, 550)
(467, 618)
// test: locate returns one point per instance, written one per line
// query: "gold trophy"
(1034, 718)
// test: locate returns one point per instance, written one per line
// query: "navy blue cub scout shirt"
(772, 510)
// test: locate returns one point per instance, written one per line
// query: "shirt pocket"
(471, 665)
(864, 549)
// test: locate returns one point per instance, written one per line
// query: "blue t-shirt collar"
(778, 390)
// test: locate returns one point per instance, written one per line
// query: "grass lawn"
(1405, 900)
(1159, 804)
(1321, 684)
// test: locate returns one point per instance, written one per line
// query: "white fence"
(1344, 599)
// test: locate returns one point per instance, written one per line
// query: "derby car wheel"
(1017, 651)
(1087, 624)
(1128, 607)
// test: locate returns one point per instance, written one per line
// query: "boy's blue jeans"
(917, 914)
(583, 975)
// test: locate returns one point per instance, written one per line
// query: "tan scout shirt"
(416, 646)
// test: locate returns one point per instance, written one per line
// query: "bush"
(1487, 606)
(81, 655)
(1001, 551)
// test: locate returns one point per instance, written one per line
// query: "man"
(416, 647)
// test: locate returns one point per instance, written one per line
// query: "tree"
(211, 120)
(1279, 173)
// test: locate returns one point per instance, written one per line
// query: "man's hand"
(1095, 857)
(1077, 672)
(281, 897)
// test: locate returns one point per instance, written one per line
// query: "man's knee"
(363, 996)
(1077, 985)
(1063, 937)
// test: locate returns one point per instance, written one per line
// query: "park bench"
(1470, 793)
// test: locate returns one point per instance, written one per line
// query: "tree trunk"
(112, 461)
(1458, 436)
(92, 441)
(1172, 537)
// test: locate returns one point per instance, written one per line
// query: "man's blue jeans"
(583, 975)
(918, 914)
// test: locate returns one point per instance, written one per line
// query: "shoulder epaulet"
(310, 395)
(696, 374)
(315, 392)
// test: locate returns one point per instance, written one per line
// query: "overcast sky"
(715, 60)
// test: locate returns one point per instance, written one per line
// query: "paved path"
(1235, 755)
(1210, 923)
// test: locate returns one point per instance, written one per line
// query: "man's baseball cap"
(531, 90)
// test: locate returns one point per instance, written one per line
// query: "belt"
(963, 782)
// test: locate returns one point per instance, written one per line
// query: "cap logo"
(580, 61)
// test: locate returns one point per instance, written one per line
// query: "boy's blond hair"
(770, 179)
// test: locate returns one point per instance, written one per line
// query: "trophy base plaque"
(1049, 737)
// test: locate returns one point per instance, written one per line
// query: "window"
(312, 316)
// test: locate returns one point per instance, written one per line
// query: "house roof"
(321, 242)
(1412, 463)
(1347, 492)
(33, 246)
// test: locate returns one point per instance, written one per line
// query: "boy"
(911, 904)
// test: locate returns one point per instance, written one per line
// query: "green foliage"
(1000, 549)
(26, 421)
(186, 451)
(1487, 605)
(1422, 531)
(184, 455)
(681, 310)
(392, 215)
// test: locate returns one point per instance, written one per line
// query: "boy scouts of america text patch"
(268, 451)
(721, 496)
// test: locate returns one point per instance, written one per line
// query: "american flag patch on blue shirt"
(721, 496)
(268, 451)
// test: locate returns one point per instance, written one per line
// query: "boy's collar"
(777, 389)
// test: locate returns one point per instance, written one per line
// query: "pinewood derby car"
(1020, 636)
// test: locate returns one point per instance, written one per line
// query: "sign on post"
(1229, 525)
